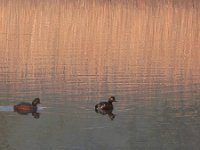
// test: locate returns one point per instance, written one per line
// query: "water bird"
(105, 105)
(25, 107)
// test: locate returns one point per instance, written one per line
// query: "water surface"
(73, 54)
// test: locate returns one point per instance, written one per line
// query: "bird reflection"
(25, 108)
(35, 114)
(106, 112)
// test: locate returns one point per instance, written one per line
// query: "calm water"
(74, 53)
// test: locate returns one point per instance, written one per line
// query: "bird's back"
(24, 104)
(104, 106)
(24, 107)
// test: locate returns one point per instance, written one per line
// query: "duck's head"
(36, 101)
(112, 99)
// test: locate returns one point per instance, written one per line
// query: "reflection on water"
(106, 112)
(35, 114)
(74, 53)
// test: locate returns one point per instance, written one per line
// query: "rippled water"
(74, 53)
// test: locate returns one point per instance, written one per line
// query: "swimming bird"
(25, 107)
(105, 105)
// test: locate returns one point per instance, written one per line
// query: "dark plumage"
(105, 105)
(25, 107)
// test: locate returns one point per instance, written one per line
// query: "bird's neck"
(109, 102)
(34, 104)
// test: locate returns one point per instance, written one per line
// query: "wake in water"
(11, 108)
(6, 108)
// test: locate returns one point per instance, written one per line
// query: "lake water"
(73, 54)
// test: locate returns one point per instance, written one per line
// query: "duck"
(105, 105)
(25, 107)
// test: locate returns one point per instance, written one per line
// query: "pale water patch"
(6, 108)
(11, 108)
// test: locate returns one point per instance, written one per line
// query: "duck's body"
(25, 108)
(105, 105)
(106, 108)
